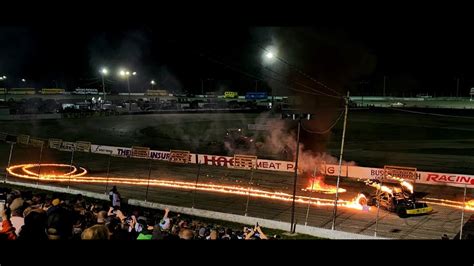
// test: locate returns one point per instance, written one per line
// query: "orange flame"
(77, 175)
(404, 183)
(469, 206)
(383, 188)
(317, 185)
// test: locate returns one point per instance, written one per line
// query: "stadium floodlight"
(104, 71)
(126, 74)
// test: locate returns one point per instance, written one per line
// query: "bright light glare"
(122, 73)
(24, 80)
(104, 71)
(153, 82)
(269, 55)
(134, 73)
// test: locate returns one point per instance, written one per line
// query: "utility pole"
(457, 87)
(103, 86)
(3, 78)
(202, 86)
(384, 77)
(9, 161)
(298, 118)
(129, 95)
(340, 163)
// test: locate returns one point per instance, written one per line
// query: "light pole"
(152, 82)
(202, 86)
(298, 117)
(340, 163)
(269, 57)
(3, 78)
(457, 87)
(9, 160)
(103, 73)
(362, 83)
(126, 74)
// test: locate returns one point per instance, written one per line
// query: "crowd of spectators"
(41, 216)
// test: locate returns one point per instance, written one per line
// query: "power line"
(301, 72)
(304, 85)
(258, 78)
(326, 130)
(318, 93)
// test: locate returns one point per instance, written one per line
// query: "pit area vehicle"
(236, 139)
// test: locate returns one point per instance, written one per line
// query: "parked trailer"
(22, 91)
(52, 91)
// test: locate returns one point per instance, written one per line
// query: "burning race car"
(398, 199)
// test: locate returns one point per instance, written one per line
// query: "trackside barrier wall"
(429, 178)
(308, 230)
(358, 172)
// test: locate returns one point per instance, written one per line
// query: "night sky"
(415, 58)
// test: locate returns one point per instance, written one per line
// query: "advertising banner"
(67, 146)
(55, 143)
(36, 143)
(140, 152)
(23, 139)
(83, 146)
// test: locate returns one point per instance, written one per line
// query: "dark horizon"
(414, 59)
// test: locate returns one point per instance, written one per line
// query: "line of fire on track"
(75, 174)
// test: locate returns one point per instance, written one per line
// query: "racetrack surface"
(444, 220)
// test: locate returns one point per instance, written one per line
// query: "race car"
(399, 199)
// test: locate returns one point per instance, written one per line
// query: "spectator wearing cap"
(54, 206)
